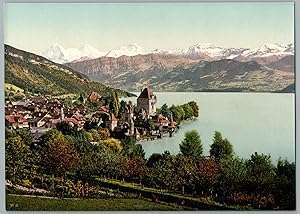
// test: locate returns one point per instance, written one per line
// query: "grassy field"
(29, 203)
(205, 201)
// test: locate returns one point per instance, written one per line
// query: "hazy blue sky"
(36, 26)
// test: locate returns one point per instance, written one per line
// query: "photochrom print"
(149, 106)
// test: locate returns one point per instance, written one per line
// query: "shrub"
(26, 183)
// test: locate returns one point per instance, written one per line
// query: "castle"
(146, 102)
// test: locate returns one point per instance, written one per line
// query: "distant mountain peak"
(131, 49)
(59, 54)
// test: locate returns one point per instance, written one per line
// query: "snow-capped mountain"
(270, 49)
(201, 51)
(214, 52)
(205, 48)
(128, 50)
(59, 54)
(55, 54)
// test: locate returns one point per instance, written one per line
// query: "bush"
(26, 183)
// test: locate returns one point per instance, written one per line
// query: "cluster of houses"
(40, 114)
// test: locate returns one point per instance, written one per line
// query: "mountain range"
(201, 67)
(36, 74)
(201, 51)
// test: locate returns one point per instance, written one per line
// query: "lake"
(252, 122)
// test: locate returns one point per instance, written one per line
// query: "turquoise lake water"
(252, 122)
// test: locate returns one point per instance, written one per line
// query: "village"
(42, 113)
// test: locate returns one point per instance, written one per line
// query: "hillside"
(284, 64)
(288, 89)
(167, 72)
(37, 74)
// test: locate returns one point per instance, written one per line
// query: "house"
(73, 122)
(54, 121)
(36, 122)
(39, 119)
(16, 121)
(160, 120)
(147, 101)
(94, 96)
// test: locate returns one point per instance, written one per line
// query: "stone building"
(146, 101)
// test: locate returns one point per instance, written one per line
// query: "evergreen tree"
(195, 108)
(114, 103)
(165, 111)
(220, 148)
(188, 111)
(191, 145)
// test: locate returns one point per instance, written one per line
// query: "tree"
(206, 175)
(50, 137)
(66, 128)
(25, 135)
(16, 153)
(260, 174)
(135, 168)
(132, 149)
(149, 125)
(191, 145)
(165, 111)
(113, 144)
(104, 133)
(108, 162)
(184, 166)
(114, 104)
(220, 148)
(285, 185)
(81, 99)
(178, 113)
(122, 109)
(59, 158)
(195, 108)
(89, 136)
(162, 173)
(95, 135)
(188, 111)
(86, 168)
(81, 142)
(233, 176)
(89, 125)
(154, 158)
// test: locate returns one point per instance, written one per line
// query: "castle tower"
(147, 101)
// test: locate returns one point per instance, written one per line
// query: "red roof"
(17, 118)
(78, 117)
(71, 120)
(94, 96)
(10, 118)
(146, 93)
(103, 108)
